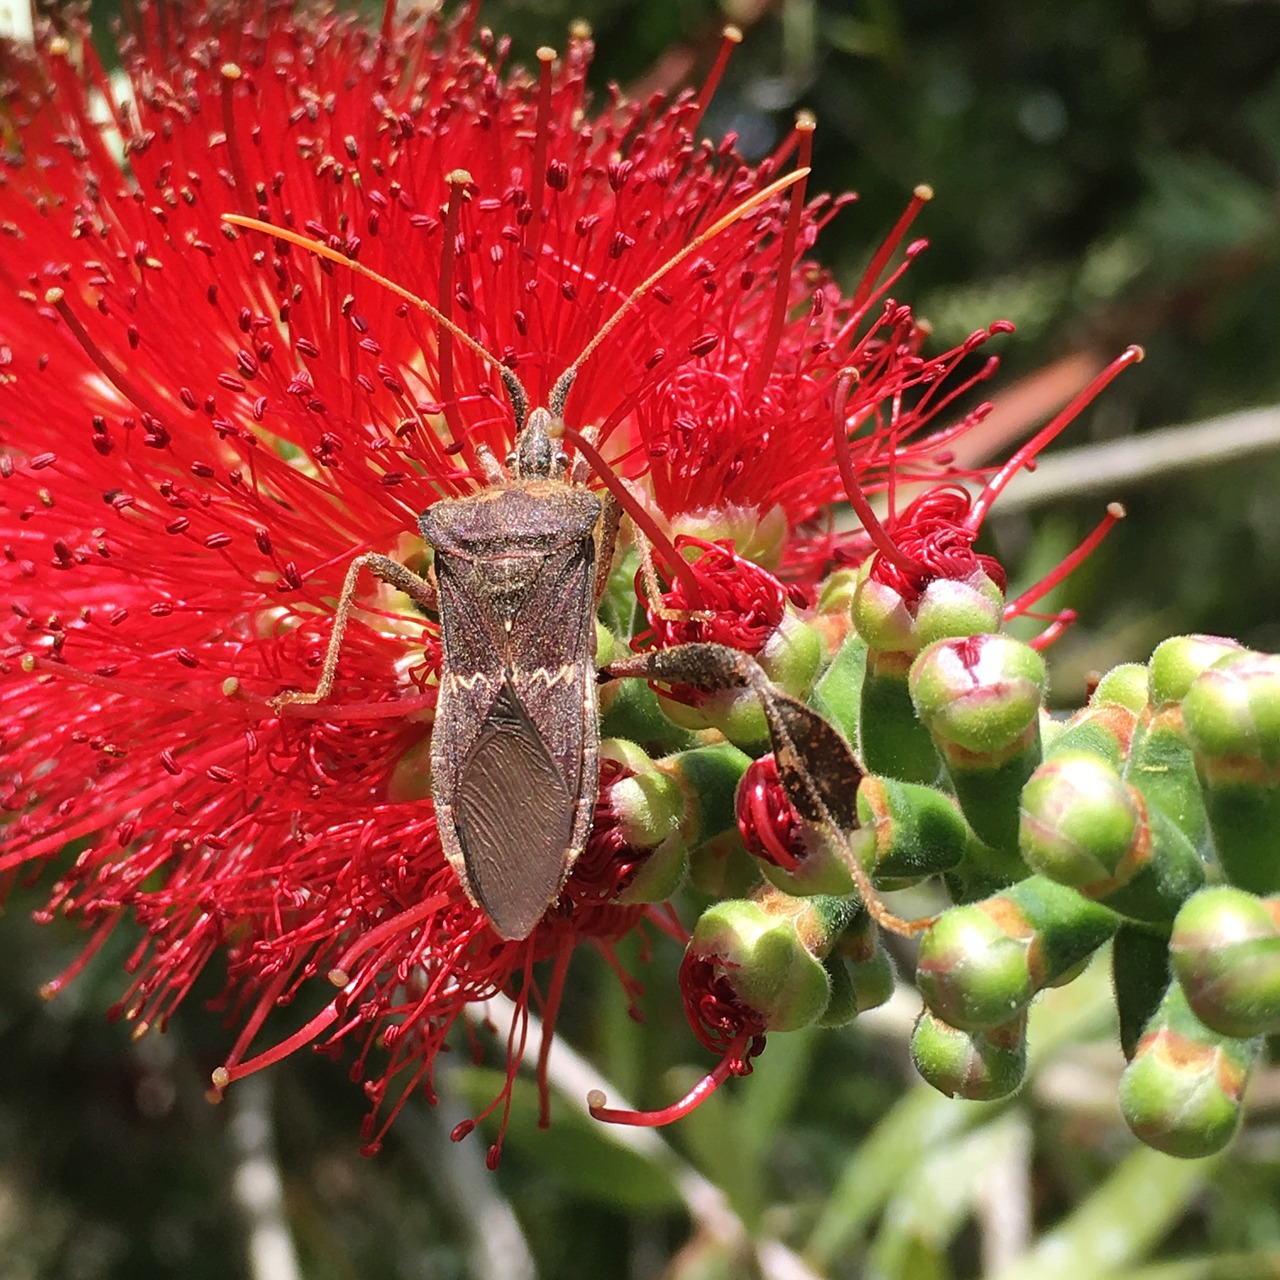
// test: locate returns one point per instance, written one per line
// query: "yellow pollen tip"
(732, 34)
(923, 192)
(339, 977)
(221, 1078)
(230, 687)
(28, 663)
(580, 29)
(230, 71)
(546, 53)
(458, 178)
(59, 47)
(596, 1098)
(140, 1030)
(1116, 510)
(48, 990)
(54, 296)
(1139, 354)
(806, 121)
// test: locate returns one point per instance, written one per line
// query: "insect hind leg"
(394, 574)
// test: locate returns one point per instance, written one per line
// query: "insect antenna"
(564, 383)
(514, 388)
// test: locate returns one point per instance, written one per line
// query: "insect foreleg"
(386, 570)
(816, 766)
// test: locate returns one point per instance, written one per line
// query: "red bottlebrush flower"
(201, 427)
(931, 540)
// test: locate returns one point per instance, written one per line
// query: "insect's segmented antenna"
(560, 392)
(515, 389)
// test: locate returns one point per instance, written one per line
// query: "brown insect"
(519, 568)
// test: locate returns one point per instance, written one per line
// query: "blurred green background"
(1105, 173)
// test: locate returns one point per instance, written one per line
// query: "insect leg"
(386, 570)
(816, 766)
(652, 584)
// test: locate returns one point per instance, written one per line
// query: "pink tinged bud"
(1177, 662)
(1182, 1092)
(1080, 824)
(1225, 952)
(980, 695)
(1084, 826)
(1231, 718)
(981, 964)
(981, 1066)
(981, 699)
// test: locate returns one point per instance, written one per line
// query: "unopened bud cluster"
(1145, 823)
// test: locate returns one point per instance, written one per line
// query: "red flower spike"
(236, 419)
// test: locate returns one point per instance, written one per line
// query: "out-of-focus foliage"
(1105, 173)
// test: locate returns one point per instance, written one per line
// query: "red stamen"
(919, 198)
(1052, 633)
(640, 517)
(1016, 608)
(736, 1062)
(542, 139)
(996, 485)
(730, 38)
(458, 181)
(550, 1011)
(805, 125)
(878, 534)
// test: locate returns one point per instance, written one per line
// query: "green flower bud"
(1181, 1093)
(769, 951)
(708, 781)
(1178, 661)
(1079, 824)
(861, 974)
(1123, 686)
(982, 1066)
(1105, 730)
(1225, 951)
(980, 698)
(1083, 826)
(981, 964)
(1231, 717)
(907, 831)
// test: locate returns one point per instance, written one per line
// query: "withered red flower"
(201, 427)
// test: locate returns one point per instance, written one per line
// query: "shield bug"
(518, 570)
